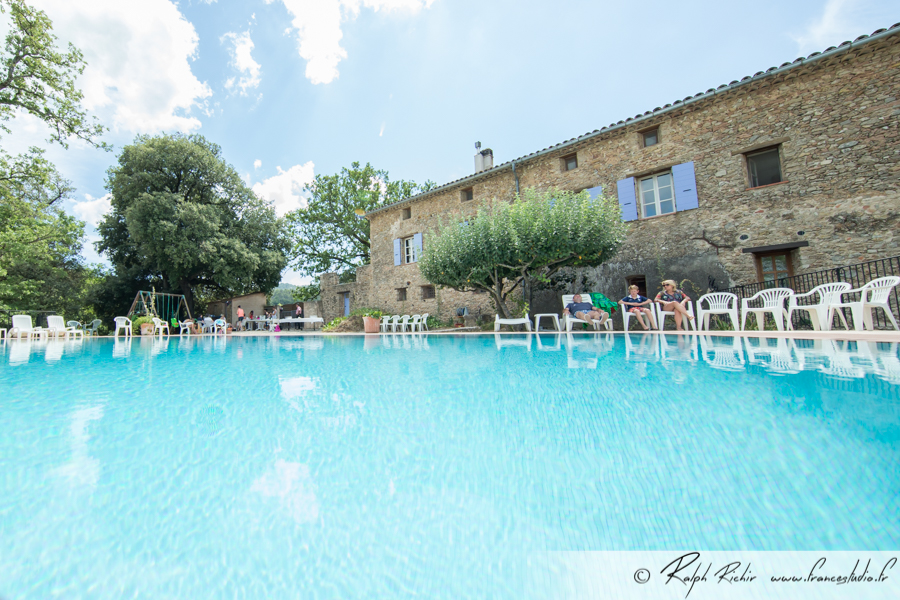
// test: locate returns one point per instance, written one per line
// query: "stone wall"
(836, 123)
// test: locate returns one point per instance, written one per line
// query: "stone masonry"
(835, 119)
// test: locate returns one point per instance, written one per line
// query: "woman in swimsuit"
(674, 300)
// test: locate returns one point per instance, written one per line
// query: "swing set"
(162, 306)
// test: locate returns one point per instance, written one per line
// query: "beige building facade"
(792, 170)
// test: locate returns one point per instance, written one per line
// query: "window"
(650, 137)
(401, 294)
(467, 194)
(772, 266)
(569, 162)
(764, 167)
(638, 280)
(410, 252)
(407, 213)
(427, 292)
(656, 195)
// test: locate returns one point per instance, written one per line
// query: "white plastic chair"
(56, 326)
(627, 316)
(21, 325)
(404, 321)
(570, 320)
(159, 325)
(424, 324)
(209, 327)
(662, 314)
(416, 323)
(185, 327)
(819, 313)
(220, 325)
(517, 321)
(94, 329)
(772, 302)
(385, 323)
(875, 294)
(123, 323)
(395, 323)
(720, 303)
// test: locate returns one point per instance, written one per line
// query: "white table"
(552, 316)
(310, 320)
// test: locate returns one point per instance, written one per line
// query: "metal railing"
(856, 275)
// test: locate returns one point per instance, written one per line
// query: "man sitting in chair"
(585, 311)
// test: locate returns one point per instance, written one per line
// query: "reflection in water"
(678, 348)
(82, 470)
(54, 351)
(121, 347)
(722, 353)
(291, 483)
(641, 347)
(509, 341)
(19, 352)
(773, 354)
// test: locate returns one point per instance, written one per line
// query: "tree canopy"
(39, 79)
(534, 236)
(182, 219)
(329, 234)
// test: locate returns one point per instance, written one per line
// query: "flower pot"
(371, 324)
(146, 328)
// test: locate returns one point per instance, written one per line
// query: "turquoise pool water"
(388, 466)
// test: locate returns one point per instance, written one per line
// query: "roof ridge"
(815, 56)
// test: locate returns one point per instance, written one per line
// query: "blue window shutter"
(595, 191)
(625, 189)
(417, 244)
(685, 186)
(396, 252)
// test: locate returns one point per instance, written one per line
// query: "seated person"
(674, 300)
(638, 305)
(585, 311)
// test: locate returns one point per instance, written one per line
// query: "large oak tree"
(182, 220)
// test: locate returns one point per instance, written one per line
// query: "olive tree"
(533, 236)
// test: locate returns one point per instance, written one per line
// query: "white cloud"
(381, 131)
(257, 163)
(241, 59)
(92, 209)
(837, 24)
(284, 190)
(138, 77)
(318, 26)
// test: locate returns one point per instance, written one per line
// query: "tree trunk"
(188, 293)
(497, 293)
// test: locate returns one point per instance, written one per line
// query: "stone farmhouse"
(791, 170)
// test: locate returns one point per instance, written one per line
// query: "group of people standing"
(671, 298)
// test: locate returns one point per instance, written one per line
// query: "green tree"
(532, 237)
(39, 79)
(40, 244)
(182, 219)
(329, 234)
(307, 293)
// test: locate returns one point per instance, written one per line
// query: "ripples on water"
(383, 466)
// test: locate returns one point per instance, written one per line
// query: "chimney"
(484, 159)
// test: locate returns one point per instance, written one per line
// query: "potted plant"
(372, 320)
(144, 325)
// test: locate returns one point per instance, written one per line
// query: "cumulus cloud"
(837, 24)
(91, 210)
(241, 59)
(318, 27)
(139, 54)
(257, 163)
(285, 189)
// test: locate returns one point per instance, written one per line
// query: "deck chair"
(21, 325)
(56, 326)
(570, 320)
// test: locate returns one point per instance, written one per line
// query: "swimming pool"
(382, 466)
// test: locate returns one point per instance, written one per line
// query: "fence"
(856, 275)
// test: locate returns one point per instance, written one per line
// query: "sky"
(294, 88)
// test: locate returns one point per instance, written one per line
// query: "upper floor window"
(764, 167)
(407, 213)
(410, 250)
(657, 197)
(650, 137)
(467, 194)
(569, 162)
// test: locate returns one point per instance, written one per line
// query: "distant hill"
(282, 294)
